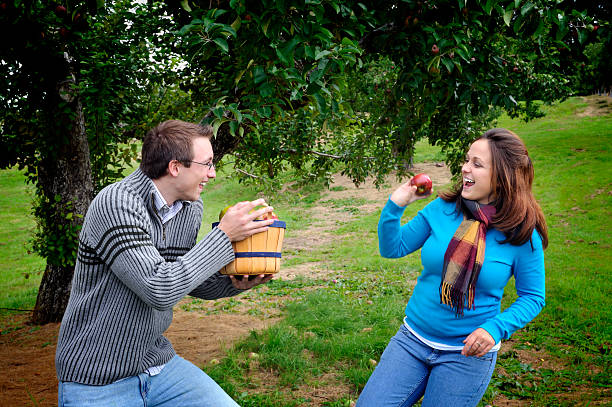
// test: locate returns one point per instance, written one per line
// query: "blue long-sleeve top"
(431, 230)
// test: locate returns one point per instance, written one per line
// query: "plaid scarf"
(464, 257)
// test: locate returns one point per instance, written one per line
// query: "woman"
(447, 347)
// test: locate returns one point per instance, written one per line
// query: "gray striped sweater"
(131, 270)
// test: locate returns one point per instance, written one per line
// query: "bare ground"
(597, 106)
(27, 352)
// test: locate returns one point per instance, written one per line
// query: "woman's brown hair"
(517, 211)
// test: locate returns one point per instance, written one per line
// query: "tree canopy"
(284, 83)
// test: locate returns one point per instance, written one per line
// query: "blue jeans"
(180, 383)
(409, 369)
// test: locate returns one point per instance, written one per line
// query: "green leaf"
(241, 73)
(266, 90)
(185, 5)
(319, 71)
(526, 8)
(582, 35)
(326, 33)
(264, 27)
(218, 112)
(216, 125)
(259, 75)
(222, 44)
(322, 54)
(233, 108)
(488, 7)
(508, 16)
(282, 57)
(540, 28)
(463, 53)
(448, 63)
(321, 105)
(434, 62)
(233, 127)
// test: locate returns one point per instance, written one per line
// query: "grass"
(333, 329)
(20, 271)
(339, 327)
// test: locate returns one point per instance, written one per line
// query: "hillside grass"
(332, 330)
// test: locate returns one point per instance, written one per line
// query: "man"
(137, 258)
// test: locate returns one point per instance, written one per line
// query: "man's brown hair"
(170, 140)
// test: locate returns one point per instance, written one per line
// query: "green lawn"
(332, 329)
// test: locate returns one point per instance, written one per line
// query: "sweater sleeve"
(529, 275)
(217, 286)
(395, 240)
(118, 233)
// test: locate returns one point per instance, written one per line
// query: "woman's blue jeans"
(180, 383)
(409, 369)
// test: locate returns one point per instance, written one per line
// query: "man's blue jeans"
(409, 369)
(180, 383)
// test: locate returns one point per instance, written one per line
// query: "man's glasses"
(210, 165)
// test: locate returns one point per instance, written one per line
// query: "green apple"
(222, 213)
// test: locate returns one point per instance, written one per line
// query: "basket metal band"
(257, 254)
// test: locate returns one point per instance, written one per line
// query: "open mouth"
(468, 182)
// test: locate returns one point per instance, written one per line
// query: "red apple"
(435, 49)
(270, 215)
(60, 11)
(423, 184)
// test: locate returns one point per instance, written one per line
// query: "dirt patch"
(324, 389)
(597, 106)
(201, 338)
(27, 363)
(536, 358)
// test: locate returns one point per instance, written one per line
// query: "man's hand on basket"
(238, 222)
(246, 282)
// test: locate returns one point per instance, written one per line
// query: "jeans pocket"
(488, 357)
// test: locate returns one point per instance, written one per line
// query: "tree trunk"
(68, 175)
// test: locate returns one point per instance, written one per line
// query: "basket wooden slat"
(259, 253)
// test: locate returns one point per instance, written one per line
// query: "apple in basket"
(268, 215)
(259, 253)
(265, 216)
(223, 211)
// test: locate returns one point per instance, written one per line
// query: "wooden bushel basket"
(259, 253)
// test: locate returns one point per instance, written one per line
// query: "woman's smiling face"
(477, 172)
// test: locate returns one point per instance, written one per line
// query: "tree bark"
(67, 174)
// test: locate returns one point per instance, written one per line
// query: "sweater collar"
(144, 186)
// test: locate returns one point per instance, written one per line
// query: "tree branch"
(246, 173)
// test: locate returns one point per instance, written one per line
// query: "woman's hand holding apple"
(410, 191)
(237, 223)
